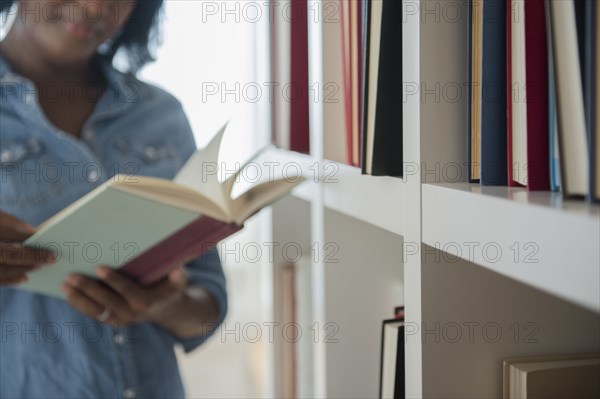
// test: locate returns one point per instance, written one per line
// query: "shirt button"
(150, 153)
(6, 156)
(89, 135)
(129, 393)
(92, 175)
(119, 339)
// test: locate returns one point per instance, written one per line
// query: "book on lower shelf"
(391, 378)
(292, 308)
(552, 377)
(159, 224)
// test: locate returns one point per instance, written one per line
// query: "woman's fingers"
(13, 229)
(86, 305)
(102, 295)
(13, 254)
(16, 278)
(138, 297)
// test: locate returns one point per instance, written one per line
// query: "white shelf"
(370, 199)
(533, 237)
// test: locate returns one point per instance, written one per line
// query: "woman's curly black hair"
(137, 39)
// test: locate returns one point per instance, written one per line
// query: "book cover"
(392, 369)
(346, 31)
(493, 98)
(474, 96)
(299, 117)
(590, 70)
(572, 136)
(360, 9)
(367, 90)
(595, 145)
(355, 62)
(529, 60)
(508, 376)
(552, 120)
(509, 93)
(384, 101)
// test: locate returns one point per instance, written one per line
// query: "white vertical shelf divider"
(315, 78)
(412, 196)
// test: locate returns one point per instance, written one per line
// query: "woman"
(63, 104)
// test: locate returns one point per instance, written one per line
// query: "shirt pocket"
(155, 158)
(29, 175)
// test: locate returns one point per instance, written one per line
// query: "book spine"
(346, 74)
(590, 76)
(470, 90)
(387, 143)
(509, 94)
(536, 84)
(182, 246)
(493, 98)
(365, 77)
(299, 117)
(359, 4)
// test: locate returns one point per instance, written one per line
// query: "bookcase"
(484, 273)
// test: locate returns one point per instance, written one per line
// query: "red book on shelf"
(355, 62)
(299, 94)
(359, 68)
(345, 26)
(529, 103)
(536, 50)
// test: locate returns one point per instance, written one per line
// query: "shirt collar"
(114, 78)
(119, 84)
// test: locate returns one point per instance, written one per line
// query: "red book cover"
(359, 10)
(509, 94)
(182, 246)
(355, 61)
(299, 91)
(536, 83)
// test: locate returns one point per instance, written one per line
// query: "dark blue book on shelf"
(493, 96)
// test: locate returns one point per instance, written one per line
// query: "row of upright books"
(362, 82)
(371, 42)
(533, 99)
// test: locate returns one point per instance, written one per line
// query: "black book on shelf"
(391, 377)
(382, 129)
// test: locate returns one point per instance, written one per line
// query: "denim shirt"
(48, 349)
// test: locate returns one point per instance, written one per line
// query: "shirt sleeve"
(205, 271)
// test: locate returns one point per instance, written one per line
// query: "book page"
(201, 172)
(260, 196)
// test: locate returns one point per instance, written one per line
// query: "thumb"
(13, 229)
(177, 276)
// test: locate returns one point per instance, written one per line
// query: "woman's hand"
(117, 300)
(16, 260)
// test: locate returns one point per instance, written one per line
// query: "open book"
(145, 226)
